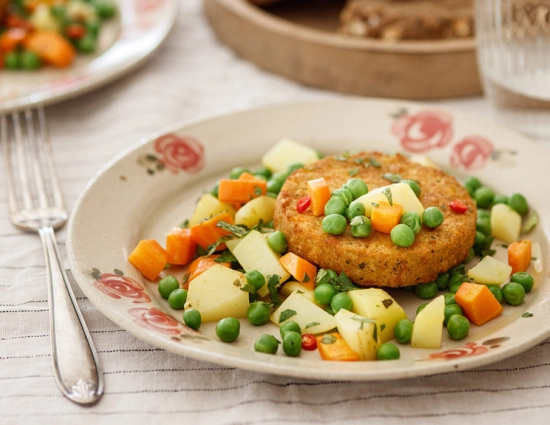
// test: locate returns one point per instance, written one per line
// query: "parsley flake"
(394, 178)
(388, 194)
(527, 314)
(272, 283)
(328, 339)
(287, 314)
(387, 302)
(312, 324)
(353, 172)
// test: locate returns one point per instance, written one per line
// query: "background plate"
(153, 187)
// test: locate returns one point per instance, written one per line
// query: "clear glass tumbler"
(513, 44)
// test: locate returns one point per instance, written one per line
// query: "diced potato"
(260, 208)
(42, 19)
(295, 286)
(254, 253)
(217, 293)
(490, 270)
(312, 319)
(505, 223)
(378, 305)
(359, 332)
(402, 194)
(287, 152)
(423, 160)
(428, 325)
(209, 206)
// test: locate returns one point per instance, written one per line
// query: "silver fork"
(36, 205)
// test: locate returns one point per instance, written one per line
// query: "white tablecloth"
(193, 76)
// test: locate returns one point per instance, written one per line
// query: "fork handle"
(76, 363)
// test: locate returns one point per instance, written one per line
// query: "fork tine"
(19, 139)
(12, 200)
(34, 142)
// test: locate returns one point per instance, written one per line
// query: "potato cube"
(402, 194)
(260, 208)
(428, 325)
(490, 270)
(360, 333)
(287, 152)
(505, 223)
(209, 206)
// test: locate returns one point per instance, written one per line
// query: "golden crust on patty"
(376, 261)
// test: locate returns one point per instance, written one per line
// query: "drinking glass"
(513, 45)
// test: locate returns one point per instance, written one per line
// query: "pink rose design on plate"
(180, 153)
(157, 320)
(423, 131)
(472, 153)
(117, 286)
(468, 350)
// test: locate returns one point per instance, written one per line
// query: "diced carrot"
(333, 347)
(519, 255)
(51, 47)
(180, 246)
(248, 176)
(319, 192)
(302, 270)
(200, 265)
(478, 303)
(206, 233)
(149, 258)
(12, 39)
(241, 191)
(385, 217)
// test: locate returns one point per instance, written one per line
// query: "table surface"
(191, 77)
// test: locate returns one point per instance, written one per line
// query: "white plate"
(125, 42)
(153, 187)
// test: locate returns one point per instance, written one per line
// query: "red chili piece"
(75, 31)
(458, 207)
(303, 204)
(309, 342)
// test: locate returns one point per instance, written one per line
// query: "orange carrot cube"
(180, 246)
(149, 258)
(385, 217)
(478, 303)
(319, 192)
(302, 270)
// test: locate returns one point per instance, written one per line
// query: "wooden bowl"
(298, 40)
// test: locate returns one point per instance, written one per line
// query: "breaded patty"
(375, 260)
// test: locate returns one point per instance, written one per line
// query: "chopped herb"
(375, 334)
(394, 178)
(226, 257)
(382, 327)
(387, 302)
(533, 258)
(343, 283)
(328, 339)
(388, 194)
(527, 314)
(358, 220)
(374, 163)
(359, 160)
(353, 172)
(362, 265)
(374, 204)
(257, 191)
(363, 320)
(530, 222)
(504, 245)
(185, 224)
(237, 282)
(119, 272)
(272, 283)
(300, 292)
(287, 314)
(312, 324)
(443, 207)
(210, 249)
(306, 278)
(239, 231)
(250, 288)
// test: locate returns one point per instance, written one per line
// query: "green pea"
(455, 281)
(457, 270)
(496, 291)
(414, 186)
(12, 60)
(292, 344)
(167, 285)
(177, 298)
(524, 279)
(92, 26)
(263, 171)
(458, 327)
(500, 199)
(266, 344)
(294, 167)
(86, 44)
(387, 351)
(420, 308)
(323, 293)
(326, 276)
(228, 329)
(484, 196)
(30, 60)
(192, 318)
(426, 291)
(357, 187)
(483, 225)
(472, 183)
(280, 176)
(361, 226)
(450, 310)
(214, 191)
(432, 217)
(480, 238)
(449, 298)
(255, 278)
(403, 331)
(412, 220)
(334, 224)
(274, 186)
(277, 242)
(105, 8)
(519, 203)
(355, 209)
(237, 171)
(442, 281)
(345, 194)
(402, 235)
(290, 326)
(481, 213)
(513, 293)
(336, 205)
(258, 313)
(470, 256)
(341, 300)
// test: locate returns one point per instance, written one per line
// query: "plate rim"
(277, 368)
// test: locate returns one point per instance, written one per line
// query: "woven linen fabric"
(191, 77)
